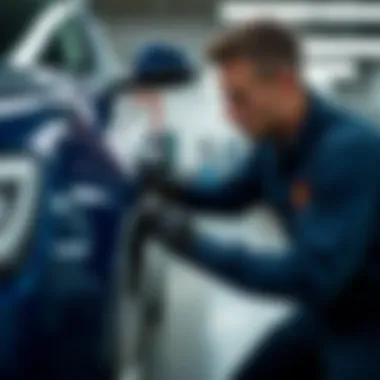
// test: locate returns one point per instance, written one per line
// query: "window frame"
(73, 20)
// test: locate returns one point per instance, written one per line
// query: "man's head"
(259, 73)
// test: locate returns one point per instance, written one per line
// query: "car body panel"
(56, 117)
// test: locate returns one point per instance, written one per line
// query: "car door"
(94, 181)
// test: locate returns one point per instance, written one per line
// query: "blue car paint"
(38, 336)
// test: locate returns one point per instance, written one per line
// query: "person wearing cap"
(160, 65)
(317, 165)
(158, 69)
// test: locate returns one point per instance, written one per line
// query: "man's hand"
(152, 173)
(155, 177)
(170, 225)
(174, 228)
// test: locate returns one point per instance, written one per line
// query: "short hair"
(267, 43)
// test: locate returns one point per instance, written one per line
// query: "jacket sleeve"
(233, 195)
(333, 235)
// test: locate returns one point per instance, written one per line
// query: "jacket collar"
(311, 128)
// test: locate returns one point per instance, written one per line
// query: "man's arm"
(232, 195)
(331, 242)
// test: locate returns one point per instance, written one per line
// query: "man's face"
(253, 99)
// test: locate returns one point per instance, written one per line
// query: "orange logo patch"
(300, 195)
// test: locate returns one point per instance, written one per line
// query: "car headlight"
(19, 192)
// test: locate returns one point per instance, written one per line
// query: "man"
(318, 166)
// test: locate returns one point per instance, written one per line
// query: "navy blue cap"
(161, 65)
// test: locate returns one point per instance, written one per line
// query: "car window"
(15, 18)
(70, 49)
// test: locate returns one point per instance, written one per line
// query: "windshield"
(15, 18)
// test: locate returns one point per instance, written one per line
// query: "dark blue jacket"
(326, 187)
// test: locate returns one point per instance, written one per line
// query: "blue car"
(64, 203)
(64, 37)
